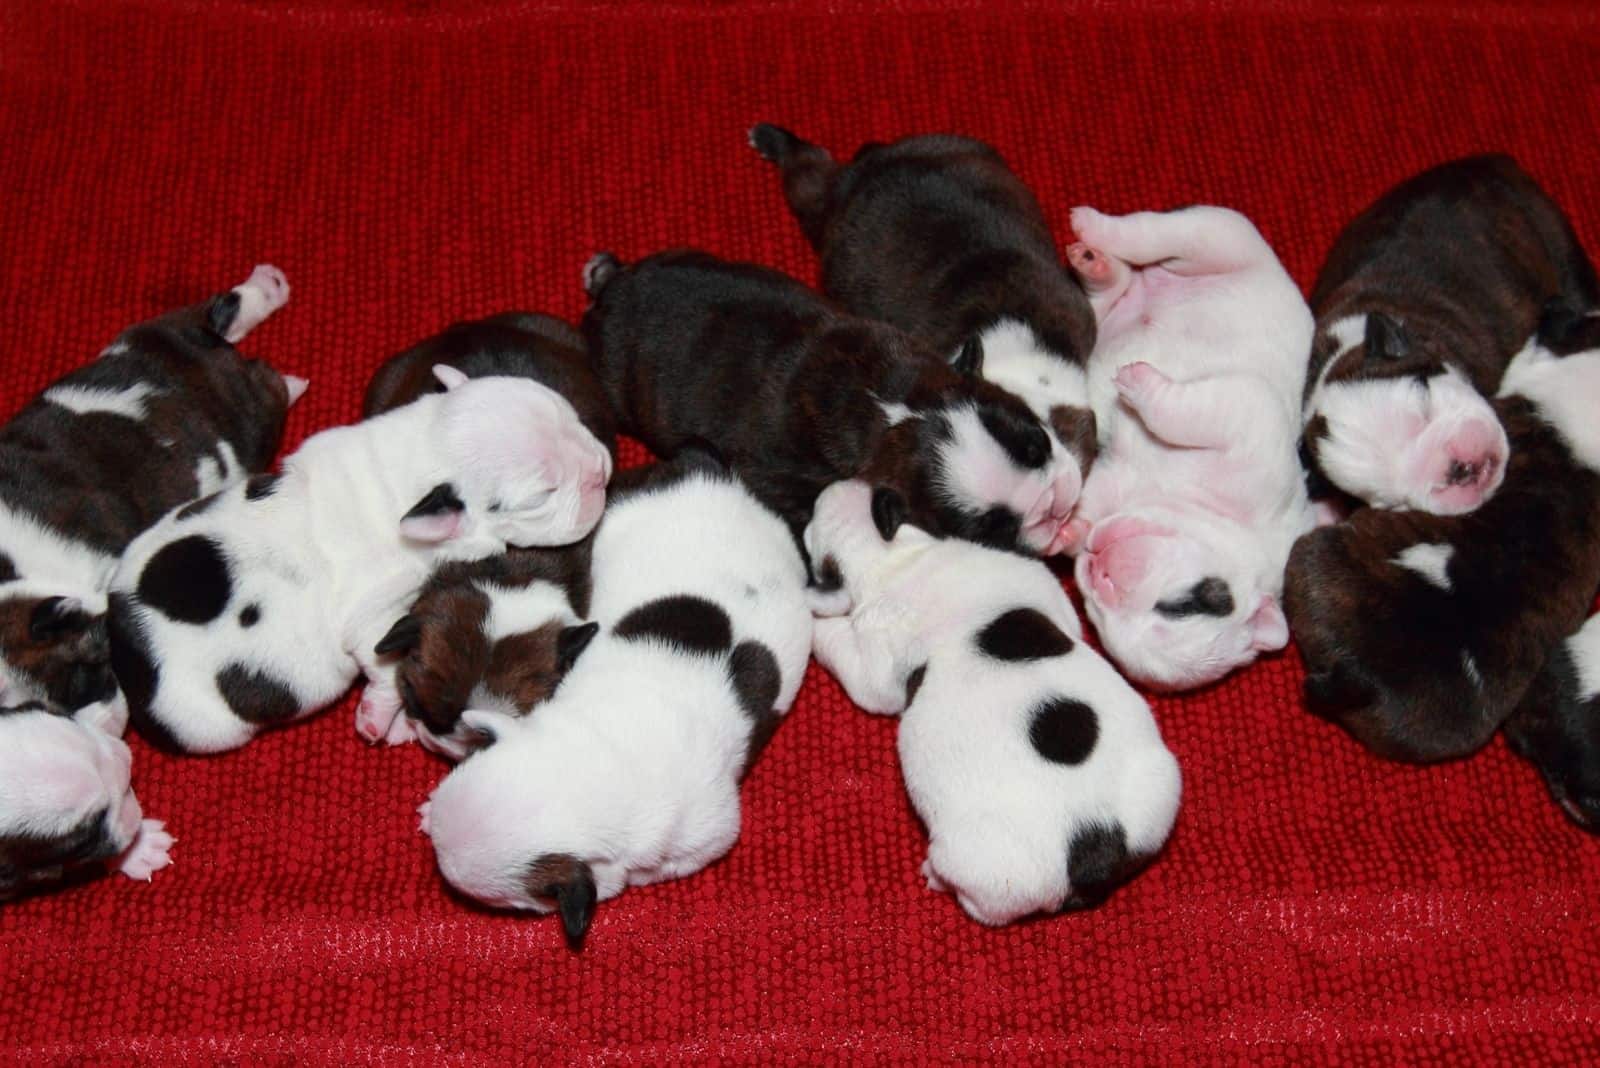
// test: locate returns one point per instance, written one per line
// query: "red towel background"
(411, 166)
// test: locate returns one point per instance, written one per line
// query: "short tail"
(808, 172)
(598, 272)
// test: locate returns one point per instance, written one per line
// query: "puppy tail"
(598, 272)
(808, 173)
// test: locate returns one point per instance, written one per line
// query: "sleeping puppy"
(630, 773)
(1039, 772)
(169, 411)
(797, 395)
(66, 806)
(262, 603)
(1557, 726)
(1425, 298)
(938, 237)
(515, 345)
(1187, 518)
(1421, 633)
(496, 634)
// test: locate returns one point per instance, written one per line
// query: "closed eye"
(1208, 597)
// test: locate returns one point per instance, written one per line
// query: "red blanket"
(413, 166)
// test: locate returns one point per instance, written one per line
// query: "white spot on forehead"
(519, 609)
(1430, 560)
(1014, 359)
(82, 400)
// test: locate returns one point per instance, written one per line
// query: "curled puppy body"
(496, 634)
(1556, 727)
(262, 603)
(170, 410)
(66, 806)
(630, 773)
(1039, 772)
(514, 345)
(1423, 301)
(937, 236)
(797, 395)
(1421, 633)
(1188, 516)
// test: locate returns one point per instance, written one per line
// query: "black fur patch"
(194, 508)
(756, 680)
(137, 673)
(40, 860)
(187, 580)
(1023, 634)
(829, 579)
(259, 487)
(914, 682)
(8, 570)
(250, 615)
(1098, 862)
(1208, 597)
(1064, 731)
(692, 624)
(256, 697)
(442, 498)
(223, 311)
(1019, 434)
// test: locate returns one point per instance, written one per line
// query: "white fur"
(212, 474)
(1567, 391)
(324, 558)
(1430, 560)
(264, 292)
(84, 400)
(1584, 648)
(633, 765)
(1000, 816)
(1347, 332)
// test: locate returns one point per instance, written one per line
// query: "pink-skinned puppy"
(1424, 299)
(66, 806)
(1039, 772)
(261, 604)
(630, 773)
(1187, 518)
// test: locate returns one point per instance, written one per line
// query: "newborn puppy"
(1421, 633)
(1188, 516)
(170, 410)
(260, 604)
(938, 237)
(1424, 300)
(1557, 726)
(515, 345)
(496, 634)
(66, 806)
(1039, 772)
(630, 773)
(797, 395)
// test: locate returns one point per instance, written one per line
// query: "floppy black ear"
(436, 517)
(1386, 338)
(572, 642)
(224, 309)
(55, 616)
(575, 901)
(1338, 689)
(889, 511)
(969, 361)
(402, 637)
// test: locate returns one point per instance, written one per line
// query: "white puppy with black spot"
(263, 603)
(630, 773)
(1040, 774)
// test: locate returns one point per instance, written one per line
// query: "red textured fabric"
(414, 164)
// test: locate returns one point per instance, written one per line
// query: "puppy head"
(522, 459)
(1403, 431)
(54, 653)
(65, 801)
(852, 526)
(1178, 601)
(1556, 727)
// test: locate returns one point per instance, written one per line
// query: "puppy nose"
(1461, 473)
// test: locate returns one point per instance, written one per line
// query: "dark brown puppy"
(1423, 301)
(796, 395)
(938, 236)
(516, 344)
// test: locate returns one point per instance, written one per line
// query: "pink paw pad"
(379, 719)
(1137, 378)
(150, 852)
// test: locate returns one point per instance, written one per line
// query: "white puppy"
(1039, 772)
(65, 803)
(630, 773)
(1188, 515)
(262, 603)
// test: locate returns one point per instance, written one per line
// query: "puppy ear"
(221, 312)
(438, 517)
(889, 510)
(1386, 338)
(1269, 630)
(969, 361)
(55, 616)
(402, 637)
(449, 377)
(296, 387)
(572, 642)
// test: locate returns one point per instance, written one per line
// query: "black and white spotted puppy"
(936, 235)
(1423, 301)
(1422, 633)
(1556, 728)
(1040, 774)
(515, 345)
(630, 773)
(66, 806)
(169, 410)
(260, 604)
(797, 395)
(497, 634)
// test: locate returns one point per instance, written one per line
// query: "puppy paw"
(423, 810)
(150, 852)
(264, 292)
(1089, 225)
(380, 718)
(1135, 381)
(934, 883)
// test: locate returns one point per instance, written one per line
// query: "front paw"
(381, 719)
(1135, 381)
(150, 852)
